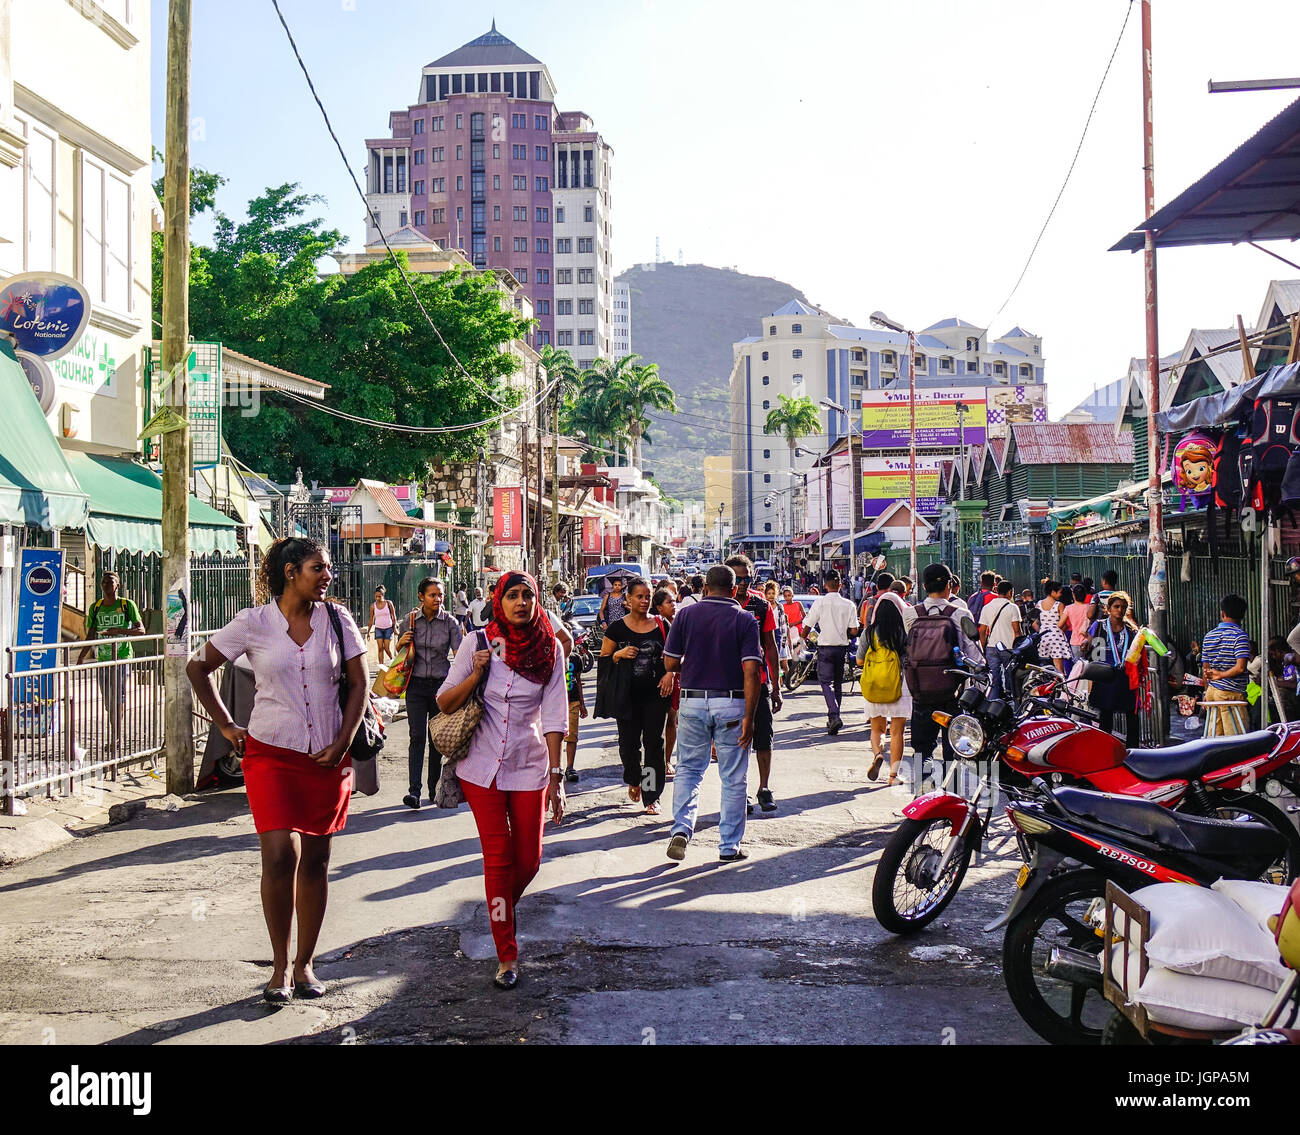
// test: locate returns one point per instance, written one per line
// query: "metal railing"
(69, 722)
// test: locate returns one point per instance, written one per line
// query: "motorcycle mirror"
(1097, 672)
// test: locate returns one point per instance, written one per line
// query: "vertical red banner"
(613, 540)
(506, 504)
(591, 535)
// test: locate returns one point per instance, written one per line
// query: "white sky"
(899, 156)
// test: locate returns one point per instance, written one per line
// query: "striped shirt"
(297, 702)
(1221, 649)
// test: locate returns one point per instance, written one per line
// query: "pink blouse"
(509, 745)
(297, 703)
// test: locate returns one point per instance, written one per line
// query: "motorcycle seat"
(1203, 835)
(1194, 759)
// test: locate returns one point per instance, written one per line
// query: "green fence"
(219, 586)
(1009, 564)
(898, 560)
(400, 576)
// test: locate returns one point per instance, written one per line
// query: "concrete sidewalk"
(152, 930)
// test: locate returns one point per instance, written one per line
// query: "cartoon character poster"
(1194, 468)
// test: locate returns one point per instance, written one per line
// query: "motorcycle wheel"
(1059, 1011)
(794, 677)
(229, 769)
(1252, 806)
(904, 898)
(588, 661)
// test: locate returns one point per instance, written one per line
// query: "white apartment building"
(76, 196)
(622, 320)
(584, 273)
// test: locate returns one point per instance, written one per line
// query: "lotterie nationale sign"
(45, 312)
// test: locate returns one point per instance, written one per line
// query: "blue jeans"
(704, 723)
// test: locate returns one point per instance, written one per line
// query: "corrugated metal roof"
(998, 451)
(1092, 443)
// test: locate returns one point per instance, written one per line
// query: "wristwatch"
(557, 772)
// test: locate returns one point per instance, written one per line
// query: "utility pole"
(178, 724)
(1155, 500)
(555, 482)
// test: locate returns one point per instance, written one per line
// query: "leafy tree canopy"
(256, 290)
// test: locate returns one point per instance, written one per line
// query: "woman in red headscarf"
(513, 769)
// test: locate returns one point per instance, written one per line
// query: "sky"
(894, 156)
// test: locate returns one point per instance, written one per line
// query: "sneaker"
(411, 801)
(677, 847)
(835, 726)
(735, 857)
(765, 800)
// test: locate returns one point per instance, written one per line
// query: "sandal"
(874, 770)
(571, 775)
(634, 793)
(652, 809)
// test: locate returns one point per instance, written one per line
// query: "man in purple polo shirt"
(714, 644)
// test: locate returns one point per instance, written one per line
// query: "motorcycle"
(582, 645)
(805, 663)
(1074, 840)
(925, 861)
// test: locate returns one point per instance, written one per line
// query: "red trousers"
(510, 832)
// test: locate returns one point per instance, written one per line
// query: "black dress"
(643, 711)
(1113, 697)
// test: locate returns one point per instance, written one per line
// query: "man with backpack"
(987, 590)
(936, 643)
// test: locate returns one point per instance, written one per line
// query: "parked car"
(584, 610)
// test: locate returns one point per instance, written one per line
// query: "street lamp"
(721, 507)
(880, 319)
(836, 408)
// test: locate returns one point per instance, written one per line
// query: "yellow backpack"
(882, 675)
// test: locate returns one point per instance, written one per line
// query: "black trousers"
(421, 708)
(926, 731)
(641, 743)
(830, 673)
(1116, 699)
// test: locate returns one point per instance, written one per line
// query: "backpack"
(976, 603)
(882, 677)
(931, 649)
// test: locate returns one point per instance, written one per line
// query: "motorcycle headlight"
(966, 736)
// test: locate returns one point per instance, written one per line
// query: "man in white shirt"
(478, 617)
(836, 620)
(1000, 619)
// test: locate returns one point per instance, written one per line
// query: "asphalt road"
(152, 932)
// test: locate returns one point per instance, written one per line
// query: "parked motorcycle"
(1049, 733)
(582, 643)
(805, 663)
(1072, 841)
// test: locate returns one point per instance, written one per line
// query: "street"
(152, 932)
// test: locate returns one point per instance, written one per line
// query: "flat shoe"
(278, 995)
(874, 770)
(507, 979)
(677, 847)
(735, 857)
(308, 990)
(571, 775)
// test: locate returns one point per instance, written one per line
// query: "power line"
(1052, 212)
(371, 213)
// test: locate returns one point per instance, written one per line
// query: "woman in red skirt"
(295, 750)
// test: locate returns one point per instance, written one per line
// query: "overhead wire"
(1073, 161)
(374, 217)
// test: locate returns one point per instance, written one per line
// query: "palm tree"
(597, 412)
(636, 389)
(793, 418)
(563, 371)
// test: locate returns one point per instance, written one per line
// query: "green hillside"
(685, 317)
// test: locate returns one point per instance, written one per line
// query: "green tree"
(257, 290)
(634, 389)
(793, 418)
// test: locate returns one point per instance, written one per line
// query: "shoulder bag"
(452, 732)
(369, 737)
(397, 676)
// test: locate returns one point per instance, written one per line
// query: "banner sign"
(40, 599)
(816, 512)
(45, 312)
(613, 540)
(841, 491)
(889, 479)
(506, 508)
(886, 417)
(592, 539)
(1009, 405)
(203, 403)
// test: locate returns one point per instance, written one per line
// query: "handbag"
(365, 778)
(369, 737)
(452, 732)
(396, 676)
(449, 793)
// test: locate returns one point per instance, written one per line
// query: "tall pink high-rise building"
(471, 165)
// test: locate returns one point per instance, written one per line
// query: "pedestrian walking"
(999, 627)
(112, 615)
(436, 636)
(1076, 621)
(1109, 583)
(881, 648)
(479, 610)
(1028, 611)
(636, 643)
(695, 591)
(1225, 651)
(512, 772)
(936, 642)
(613, 605)
(714, 646)
(577, 711)
(297, 770)
(1055, 643)
(665, 606)
(460, 609)
(1110, 644)
(383, 618)
(836, 620)
(987, 589)
(769, 694)
(782, 626)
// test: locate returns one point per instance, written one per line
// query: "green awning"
(126, 509)
(36, 485)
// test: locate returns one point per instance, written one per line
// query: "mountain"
(685, 317)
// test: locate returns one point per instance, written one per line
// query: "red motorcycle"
(925, 860)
